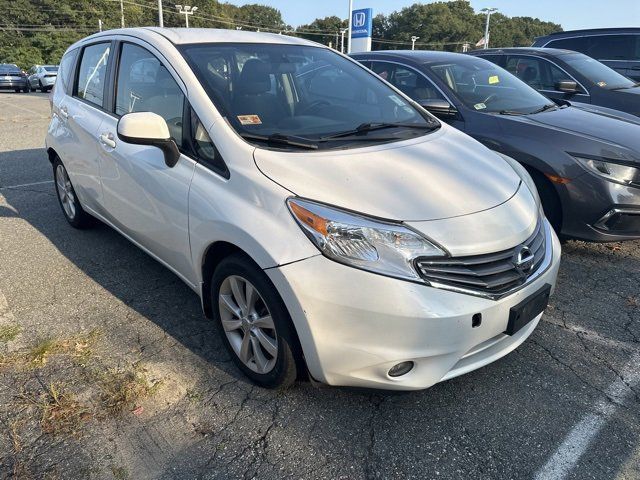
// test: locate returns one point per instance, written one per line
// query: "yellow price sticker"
(494, 79)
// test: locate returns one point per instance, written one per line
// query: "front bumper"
(355, 325)
(598, 210)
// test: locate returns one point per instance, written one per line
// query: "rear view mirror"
(439, 108)
(147, 128)
(567, 86)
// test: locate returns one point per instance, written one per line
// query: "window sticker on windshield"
(494, 79)
(397, 100)
(249, 119)
(479, 106)
(602, 84)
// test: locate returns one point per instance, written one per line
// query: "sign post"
(361, 30)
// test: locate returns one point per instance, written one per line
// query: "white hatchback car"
(327, 222)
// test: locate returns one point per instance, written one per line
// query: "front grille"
(491, 273)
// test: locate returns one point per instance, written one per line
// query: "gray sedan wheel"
(73, 211)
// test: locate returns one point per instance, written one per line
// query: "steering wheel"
(490, 98)
(313, 105)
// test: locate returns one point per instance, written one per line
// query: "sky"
(571, 14)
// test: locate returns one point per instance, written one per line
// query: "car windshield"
(51, 69)
(310, 94)
(8, 67)
(597, 72)
(487, 88)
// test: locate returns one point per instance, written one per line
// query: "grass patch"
(121, 390)
(119, 473)
(62, 414)
(9, 332)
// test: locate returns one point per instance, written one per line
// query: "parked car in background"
(12, 78)
(42, 77)
(618, 48)
(326, 222)
(586, 165)
(566, 75)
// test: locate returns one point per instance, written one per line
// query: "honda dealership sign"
(361, 30)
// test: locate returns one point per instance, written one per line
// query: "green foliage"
(39, 31)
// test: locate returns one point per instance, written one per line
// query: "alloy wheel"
(248, 324)
(65, 192)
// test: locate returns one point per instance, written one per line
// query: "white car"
(42, 77)
(328, 224)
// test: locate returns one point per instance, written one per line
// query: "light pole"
(413, 42)
(121, 14)
(342, 32)
(160, 19)
(186, 10)
(488, 11)
(350, 19)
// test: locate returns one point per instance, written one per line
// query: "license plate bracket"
(532, 306)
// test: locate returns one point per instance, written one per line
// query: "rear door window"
(410, 82)
(92, 73)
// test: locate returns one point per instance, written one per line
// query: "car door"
(144, 198)
(81, 114)
(543, 75)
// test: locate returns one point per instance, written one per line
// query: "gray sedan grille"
(492, 273)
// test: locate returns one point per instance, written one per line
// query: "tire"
(42, 89)
(67, 198)
(550, 200)
(17, 90)
(239, 326)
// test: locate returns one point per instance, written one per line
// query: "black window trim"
(187, 136)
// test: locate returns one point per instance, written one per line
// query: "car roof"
(544, 52)
(181, 36)
(595, 31)
(418, 56)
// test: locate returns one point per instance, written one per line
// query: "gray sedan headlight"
(615, 172)
(374, 245)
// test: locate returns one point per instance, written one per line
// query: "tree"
(322, 30)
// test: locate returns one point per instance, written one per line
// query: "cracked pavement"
(206, 421)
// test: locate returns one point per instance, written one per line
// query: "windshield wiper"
(548, 106)
(509, 112)
(279, 139)
(370, 127)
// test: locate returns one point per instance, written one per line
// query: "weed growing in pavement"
(121, 390)
(9, 332)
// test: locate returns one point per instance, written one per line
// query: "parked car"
(566, 75)
(42, 77)
(586, 165)
(618, 48)
(12, 78)
(325, 221)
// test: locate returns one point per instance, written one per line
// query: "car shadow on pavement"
(469, 426)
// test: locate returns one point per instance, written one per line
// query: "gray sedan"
(585, 160)
(12, 78)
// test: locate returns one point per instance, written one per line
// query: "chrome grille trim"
(491, 275)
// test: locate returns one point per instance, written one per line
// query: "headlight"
(615, 172)
(373, 245)
(524, 176)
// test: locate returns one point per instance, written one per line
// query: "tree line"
(39, 31)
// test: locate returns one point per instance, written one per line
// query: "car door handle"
(108, 140)
(64, 113)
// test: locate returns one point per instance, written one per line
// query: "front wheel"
(68, 199)
(254, 323)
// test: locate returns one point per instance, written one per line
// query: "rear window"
(51, 69)
(7, 67)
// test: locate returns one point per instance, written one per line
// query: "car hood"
(439, 175)
(613, 132)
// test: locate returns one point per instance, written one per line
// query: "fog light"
(400, 369)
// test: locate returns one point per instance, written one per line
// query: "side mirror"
(147, 128)
(567, 86)
(439, 108)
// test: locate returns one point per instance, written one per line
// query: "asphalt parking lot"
(108, 369)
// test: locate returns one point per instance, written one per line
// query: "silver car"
(42, 77)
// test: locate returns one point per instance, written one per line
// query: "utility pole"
(186, 11)
(121, 14)
(160, 16)
(413, 42)
(99, 25)
(342, 32)
(488, 11)
(350, 19)
(336, 41)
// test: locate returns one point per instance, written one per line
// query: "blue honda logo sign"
(362, 23)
